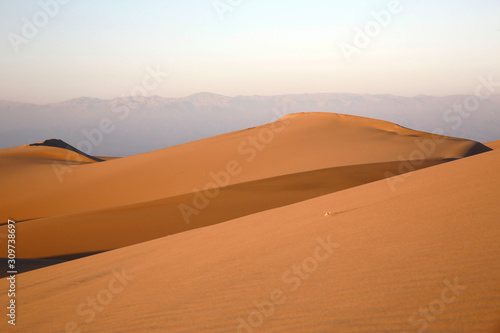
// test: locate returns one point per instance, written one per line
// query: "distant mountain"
(154, 122)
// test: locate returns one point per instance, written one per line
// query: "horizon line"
(235, 96)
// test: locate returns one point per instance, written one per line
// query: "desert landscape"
(235, 166)
(257, 230)
(298, 157)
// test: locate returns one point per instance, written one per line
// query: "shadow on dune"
(478, 148)
(26, 265)
(61, 144)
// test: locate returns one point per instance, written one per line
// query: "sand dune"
(299, 143)
(494, 144)
(74, 235)
(162, 122)
(295, 158)
(61, 144)
(425, 256)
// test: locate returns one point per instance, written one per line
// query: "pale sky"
(103, 48)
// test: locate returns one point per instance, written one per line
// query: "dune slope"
(494, 144)
(76, 235)
(86, 208)
(424, 256)
(293, 144)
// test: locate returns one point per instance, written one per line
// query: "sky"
(105, 49)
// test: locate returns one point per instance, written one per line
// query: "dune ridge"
(322, 141)
(61, 144)
(295, 158)
(396, 252)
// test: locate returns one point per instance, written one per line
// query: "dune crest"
(61, 144)
(295, 158)
(391, 254)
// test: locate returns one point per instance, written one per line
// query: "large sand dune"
(75, 235)
(425, 256)
(296, 143)
(86, 206)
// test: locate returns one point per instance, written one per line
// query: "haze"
(102, 49)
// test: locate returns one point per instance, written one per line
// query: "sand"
(494, 144)
(86, 206)
(429, 245)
